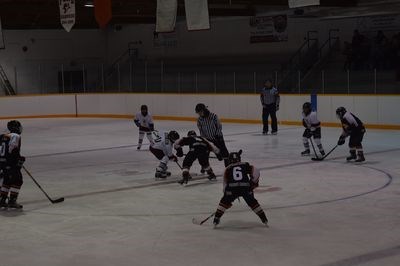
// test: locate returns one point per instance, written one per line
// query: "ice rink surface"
(329, 213)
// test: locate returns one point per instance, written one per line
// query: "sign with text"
(268, 29)
(67, 14)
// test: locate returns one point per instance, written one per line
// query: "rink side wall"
(376, 111)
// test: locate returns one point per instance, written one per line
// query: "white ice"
(116, 213)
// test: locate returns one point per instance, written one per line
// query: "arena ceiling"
(44, 14)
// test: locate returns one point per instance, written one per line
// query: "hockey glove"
(219, 157)
(136, 123)
(20, 161)
(173, 158)
(308, 133)
(253, 185)
(341, 140)
(277, 107)
(179, 152)
(151, 126)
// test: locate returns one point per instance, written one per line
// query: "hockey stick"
(195, 221)
(312, 145)
(48, 197)
(179, 165)
(326, 155)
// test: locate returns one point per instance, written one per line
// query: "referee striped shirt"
(210, 127)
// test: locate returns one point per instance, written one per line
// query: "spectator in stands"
(349, 54)
(360, 50)
(379, 50)
(395, 54)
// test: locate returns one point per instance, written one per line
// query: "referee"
(210, 128)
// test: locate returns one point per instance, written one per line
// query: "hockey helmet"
(234, 157)
(14, 126)
(307, 108)
(143, 109)
(200, 107)
(340, 111)
(173, 136)
(191, 133)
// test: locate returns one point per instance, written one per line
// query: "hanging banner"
(268, 29)
(301, 3)
(102, 12)
(2, 46)
(197, 17)
(67, 14)
(166, 15)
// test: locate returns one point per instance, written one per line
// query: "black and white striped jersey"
(210, 127)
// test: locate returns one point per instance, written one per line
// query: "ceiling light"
(89, 4)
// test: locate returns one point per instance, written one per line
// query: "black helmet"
(14, 126)
(143, 107)
(340, 111)
(234, 157)
(200, 107)
(173, 136)
(191, 133)
(307, 108)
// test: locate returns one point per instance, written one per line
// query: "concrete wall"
(375, 110)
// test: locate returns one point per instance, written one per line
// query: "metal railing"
(158, 76)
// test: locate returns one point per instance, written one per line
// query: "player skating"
(199, 149)
(162, 150)
(353, 127)
(240, 179)
(144, 121)
(11, 162)
(313, 129)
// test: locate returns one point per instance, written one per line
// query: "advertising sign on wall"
(268, 29)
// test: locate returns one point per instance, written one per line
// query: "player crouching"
(240, 179)
(313, 129)
(353, 127)
(162, 150)
(10, 163)
(199, 148)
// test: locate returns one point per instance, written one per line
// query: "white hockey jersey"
(144, 121)
(311, 121)
(161, 142)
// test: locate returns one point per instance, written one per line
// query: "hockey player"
(199, 148)
(144, 121)
(11, 162)
(162, 150)
(240, 179)
(313, 129)
(353, 127)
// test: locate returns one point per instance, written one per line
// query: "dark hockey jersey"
(351, 123)
(241, 174)
(196, 144)
(9, 149)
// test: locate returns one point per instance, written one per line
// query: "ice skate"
(352, 156)
(360, 157)
(13, 204)
(211, 176)
(3, 202)
(216, 222)
(160, 175)
(305, 153)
